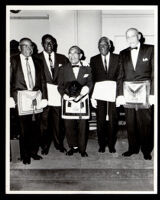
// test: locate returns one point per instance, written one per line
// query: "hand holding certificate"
(28, 102)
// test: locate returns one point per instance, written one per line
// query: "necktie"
(105, 64)
(30, 79)
(51, 65)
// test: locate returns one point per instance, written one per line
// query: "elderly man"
(105, 68)
(27, 75)
(137, 65)
(75, 83)
(52, 126)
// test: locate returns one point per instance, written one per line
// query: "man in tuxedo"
(137, 64)
(52, 126)
(105, 67)
(27, 74)
(73, 75)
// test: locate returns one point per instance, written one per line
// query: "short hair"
(107, 40)
(75, 47)
(55, 45)
(23, 39)
(134, 29)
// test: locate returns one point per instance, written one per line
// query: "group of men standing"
(135, 63)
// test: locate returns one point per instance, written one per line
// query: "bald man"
(105, 68)
(137, 64)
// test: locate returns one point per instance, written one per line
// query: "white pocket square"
(59, 65)
(85, 75)
(145, 59)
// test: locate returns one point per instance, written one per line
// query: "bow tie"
(131, 48)
(75, 66)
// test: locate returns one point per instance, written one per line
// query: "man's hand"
(120, 100)
(84, 90)
(43, 103)
(12, 103)
(151, 99)
(67, 98)
(94, 103)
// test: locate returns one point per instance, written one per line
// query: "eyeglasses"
(26, 46)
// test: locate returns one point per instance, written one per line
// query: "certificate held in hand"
(28, 102)
(105, 91)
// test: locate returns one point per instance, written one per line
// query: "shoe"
(147, 156)
(62, 149)
(27, 160)
(112, 150)
(36, 157)
(101, 149)
(129, 153)
(72, 151)
(84, 154)
(45, 151)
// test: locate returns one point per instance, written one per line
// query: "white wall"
(81, 27)
(115, 25)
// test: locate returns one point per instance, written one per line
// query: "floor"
(97, 173)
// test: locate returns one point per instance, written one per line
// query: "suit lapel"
(101, 63)
(21, 74)
(55, 66)
(140, 56)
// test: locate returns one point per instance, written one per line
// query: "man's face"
(103, 47)
(74, 56)
(26, 48)
(132, 38)
(48, 45)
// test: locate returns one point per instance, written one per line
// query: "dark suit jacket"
(144, 67)
(98, 72)
(17, 81)
(60, 60)
(67, 75)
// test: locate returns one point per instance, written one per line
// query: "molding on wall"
(126, 15)
(45, 17)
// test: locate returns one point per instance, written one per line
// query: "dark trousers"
(106, 130)
(29, 135)
(52, 127)
(140, 129)
(77, 133)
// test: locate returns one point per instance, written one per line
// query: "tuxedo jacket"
(59, 61)
(99, 73)
(144, 67)
(66, 75)
(17, 81)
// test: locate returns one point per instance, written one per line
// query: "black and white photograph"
(81, 99)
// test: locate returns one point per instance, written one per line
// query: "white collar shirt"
(107, 60)
(76, 69)
(46, 55)
(24, 69)
(134, 55)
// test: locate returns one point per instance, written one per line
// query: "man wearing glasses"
(27, 75)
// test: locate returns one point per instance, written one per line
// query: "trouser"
(106, 130)
(77, 133)
(52, 127)
(29, 135)
(140, 129)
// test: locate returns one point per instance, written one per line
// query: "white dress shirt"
(76, 69)
(107, 60)
(46, 55)
(24, 69)
(134, 55)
